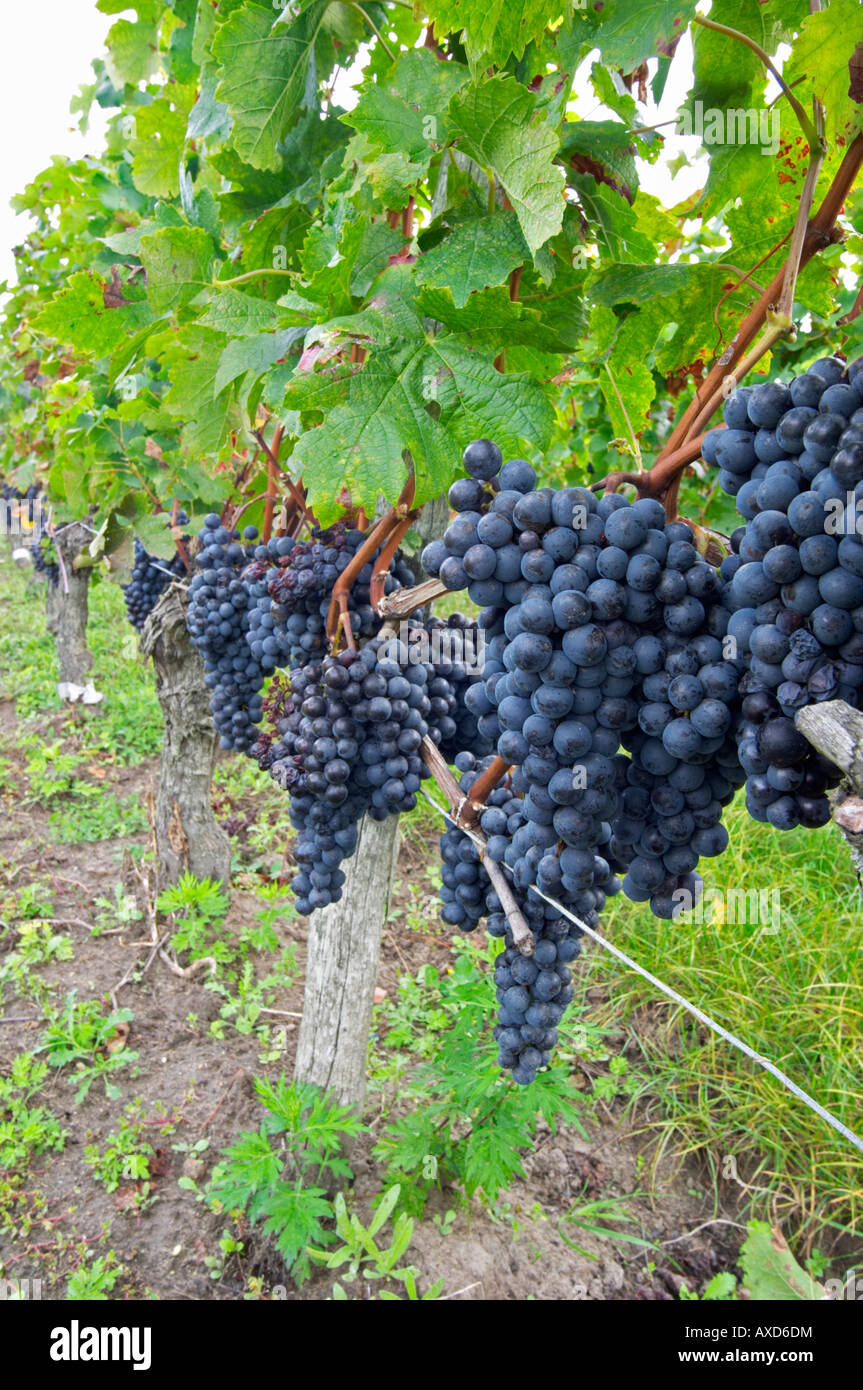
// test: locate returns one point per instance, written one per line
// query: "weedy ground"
(151, 1144)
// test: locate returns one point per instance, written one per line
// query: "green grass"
(795, 995)
(128, 723)
(99, 817)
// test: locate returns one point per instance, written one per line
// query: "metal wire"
(685, 1003)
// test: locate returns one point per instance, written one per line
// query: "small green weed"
(25, 1129)
(272, 1181)
(97, 815)
(359, 1253)
(125, 1157)
(93, 1282)
(84, 1036)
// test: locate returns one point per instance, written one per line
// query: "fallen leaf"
(118, 1041)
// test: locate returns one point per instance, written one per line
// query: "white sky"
(48, 47)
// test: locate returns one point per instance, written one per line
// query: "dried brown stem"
(406, 601)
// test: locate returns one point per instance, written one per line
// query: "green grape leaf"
(179, 264)
(340, 267)
(253, 355)
(628, 31)
(133, 47)
(492, 121)
(478, 401)
(80, 317)
(490, 318)
(725, 71)
(603, 149)
(192, 362)
(264, 68)
(478, 253)
(616, 224)
(157, 147)
(240, 315)
(611, 90)
(494, 29)
(372, 416)
(275, 237)
(401, 113)
(392, 177)
(820, 58)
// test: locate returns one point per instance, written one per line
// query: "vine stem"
(374, 28)
(406, 601)
(390, 524)
(653, 481)
(514, 288)
(798, 236)
(273, 462)
(248, 275)
(338, 611)
(245, 507)
(382, 563)
(272, 453)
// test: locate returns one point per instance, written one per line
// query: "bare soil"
(202, 1085)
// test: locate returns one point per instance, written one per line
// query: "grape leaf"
(253, 355)
(628, 31)
(240, 315)
(192, 363)
(494, 29)
(208, 117)
(478, 253)
(628, 388)
(360, 443)
(157, 147)
(603, 149)
(272, 239)
(178, 262)
(478, 401)
(392, 177)
(133, 48)
(725, 71)
(616, 224)
(372, 416)
(820, 58)
(264, 66)
(402, 112)
(492, 121)
(491, 318)
(340, 267)
(79, 316)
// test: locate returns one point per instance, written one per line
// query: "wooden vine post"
(67, 605)
(836, 730)
(342, 966)
(188, 838)
(344, 938)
